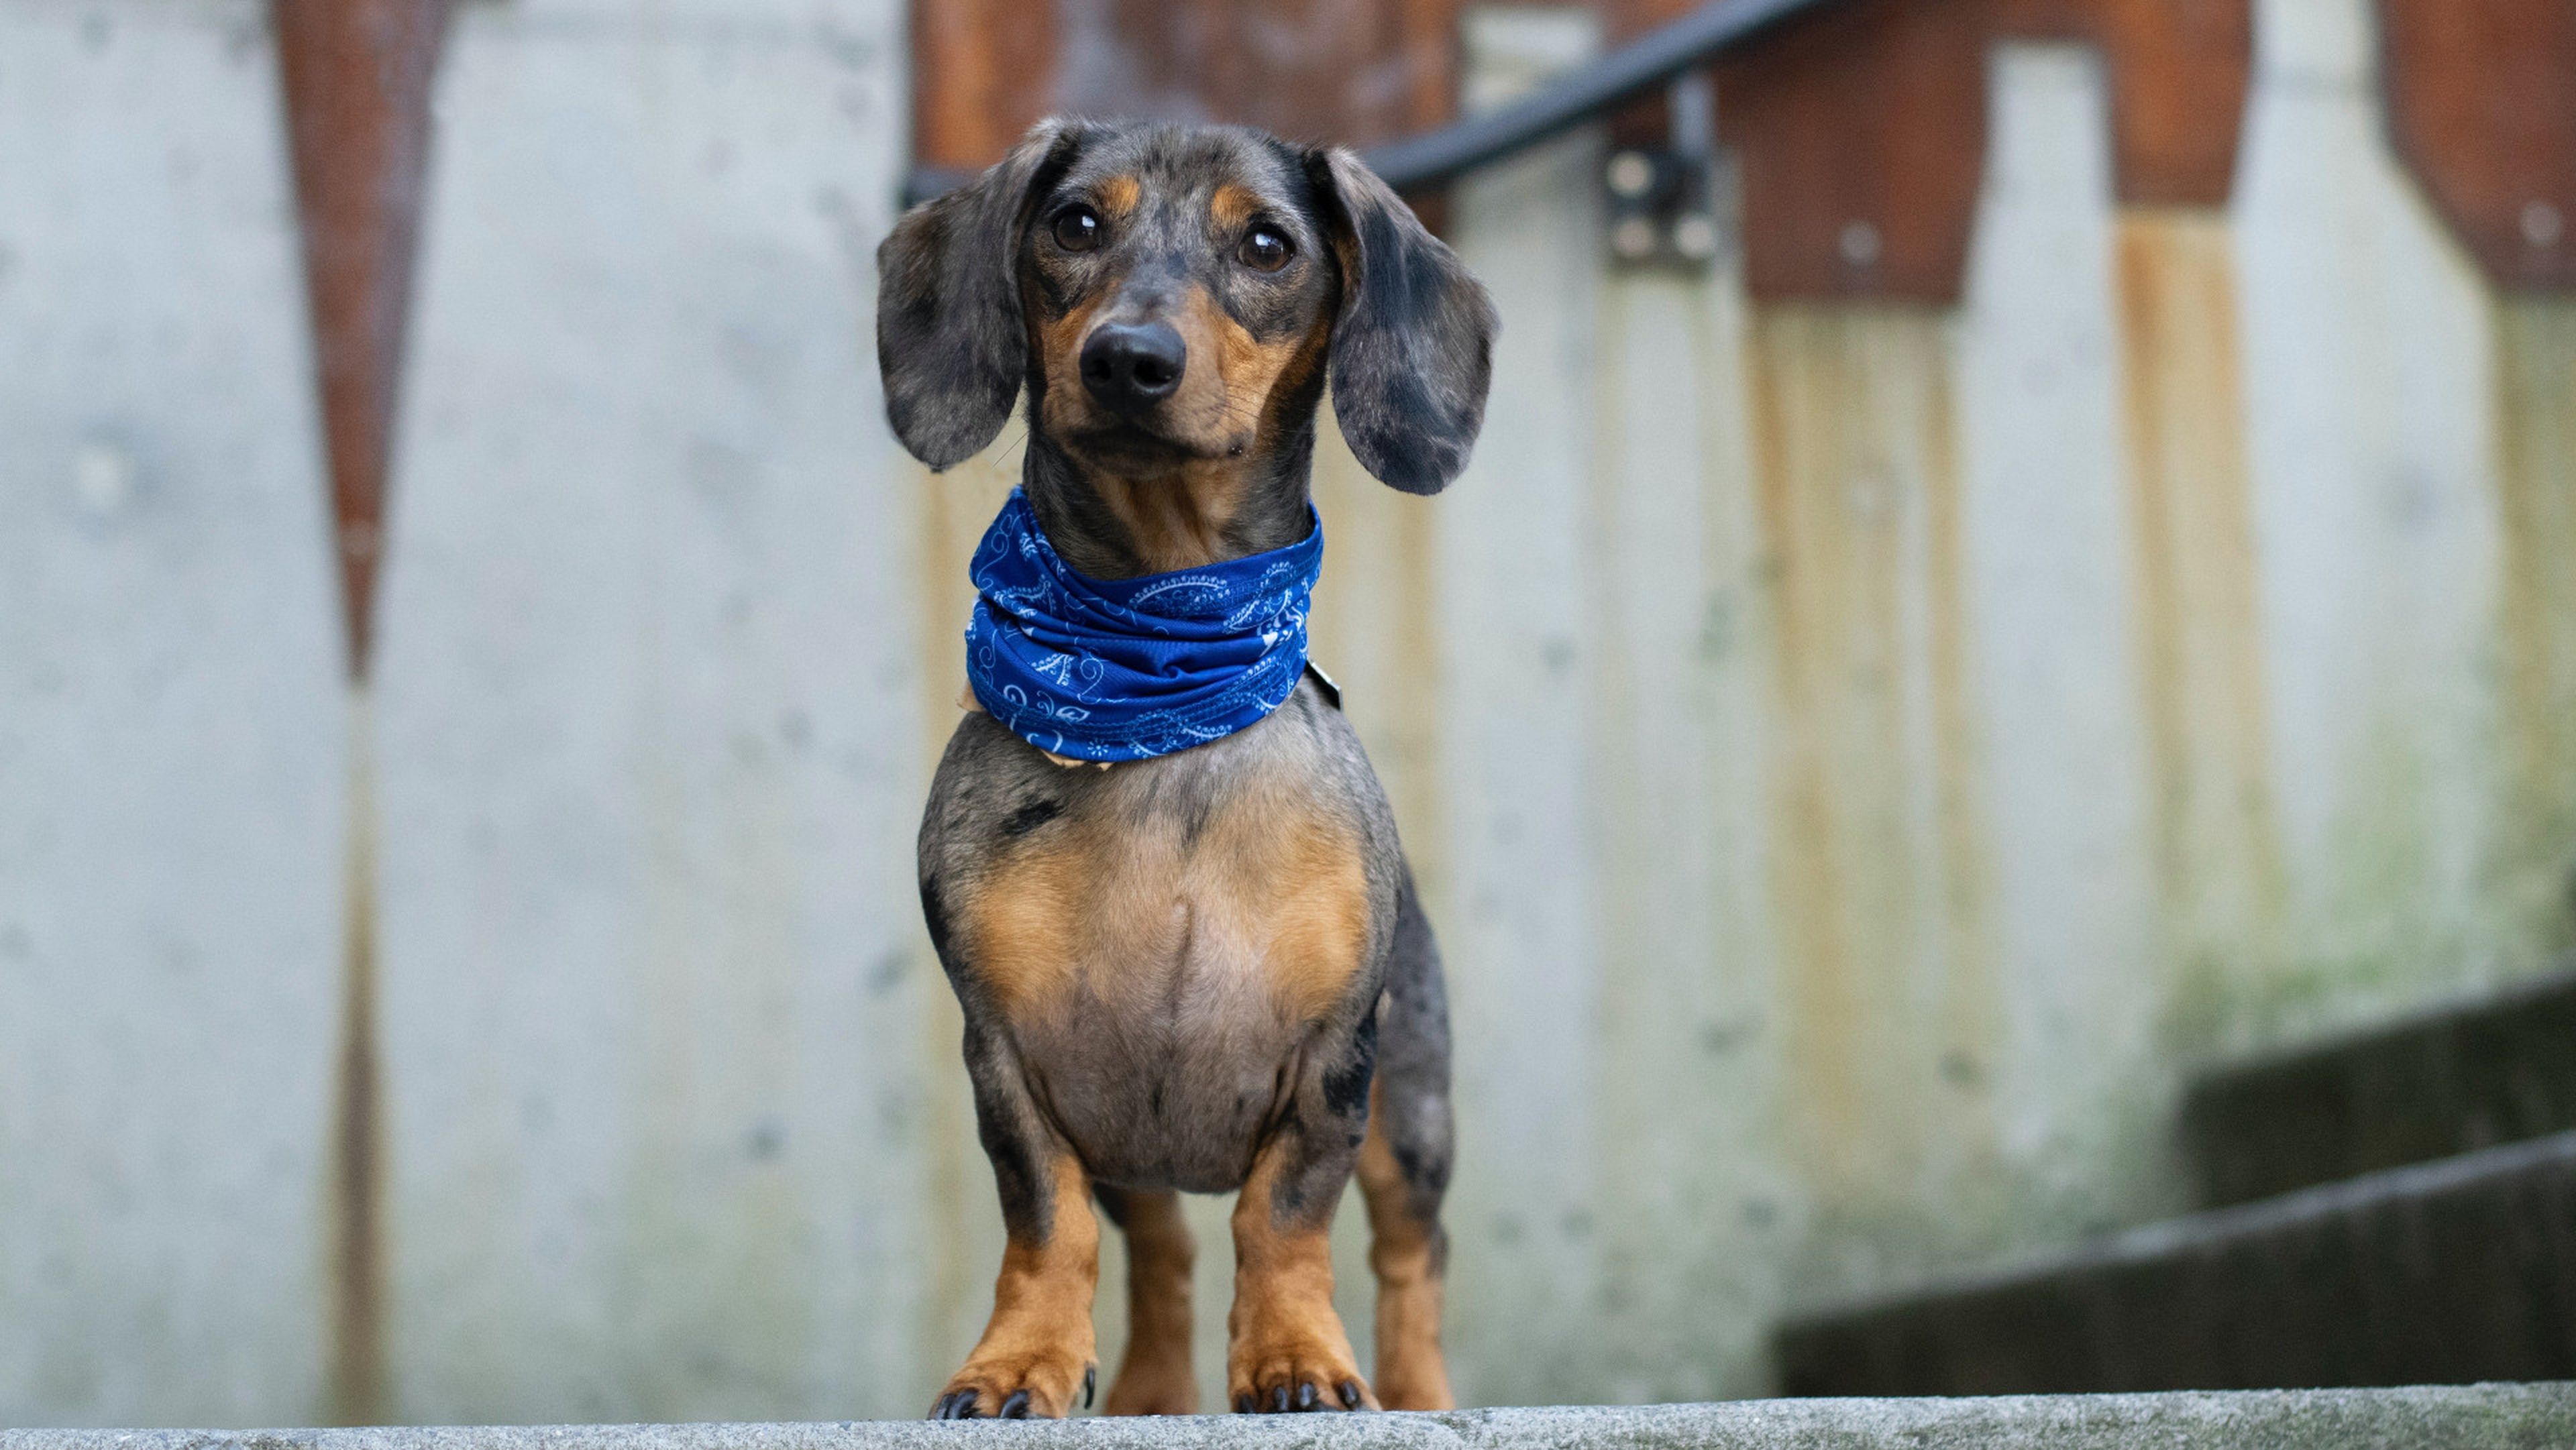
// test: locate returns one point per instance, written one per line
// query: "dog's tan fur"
(1405, 1256)
(1091, 915)
(1155, 1377)
(1038, 1342)
(1283, 1330)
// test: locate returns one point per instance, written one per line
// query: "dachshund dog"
(1208, 971)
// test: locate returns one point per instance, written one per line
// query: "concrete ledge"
(2474, 1417)
(2443, 1272)
(2457, 1078)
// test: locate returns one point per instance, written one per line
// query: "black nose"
(1128, 367)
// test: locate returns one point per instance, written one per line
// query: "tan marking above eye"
(1232, 207)
(1119, 195)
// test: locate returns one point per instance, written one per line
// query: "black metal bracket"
(1663, 203)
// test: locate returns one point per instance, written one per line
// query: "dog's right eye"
(1077, 229)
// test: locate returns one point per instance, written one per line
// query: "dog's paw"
(1027, 1388)
(1295, 1375)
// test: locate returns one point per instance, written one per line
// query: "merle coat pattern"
(1206, 972)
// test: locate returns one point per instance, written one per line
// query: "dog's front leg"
(1286, 1349)
(1035, 1358)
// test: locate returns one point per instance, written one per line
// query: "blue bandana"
(1128, 669)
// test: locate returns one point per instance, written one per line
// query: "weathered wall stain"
(356, 78)
(355, 1380)
(2535, 424)
(2367, 364)
(1879, 863)
(2198, 625)
(1970, 1010)
(1823, 1000)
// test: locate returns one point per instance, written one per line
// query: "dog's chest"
(1161, 948)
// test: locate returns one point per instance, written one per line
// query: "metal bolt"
(1859, 243)
(1631, 175)
(1695, 237)
(2543, 224)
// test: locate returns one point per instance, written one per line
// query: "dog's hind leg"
(1154, 1377)
(1404, 1167)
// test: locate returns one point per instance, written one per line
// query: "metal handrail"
(1652, 60)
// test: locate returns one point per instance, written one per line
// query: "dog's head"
(1173, 294)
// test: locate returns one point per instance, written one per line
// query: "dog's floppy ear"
(949, 340)
(1412, 350)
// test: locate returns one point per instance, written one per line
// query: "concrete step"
(2479, 1417)
(2453, 1080)
(2439, 1273)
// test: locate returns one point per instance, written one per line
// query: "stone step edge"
(2494, 999)
(2168, 1237)
(2468, 1417)
(2221, 1089)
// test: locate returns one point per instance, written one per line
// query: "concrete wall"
(1859, 758)
(652, 985)
(170, 728)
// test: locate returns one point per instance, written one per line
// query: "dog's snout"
(1128, 366)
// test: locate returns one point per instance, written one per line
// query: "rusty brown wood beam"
(356, 75)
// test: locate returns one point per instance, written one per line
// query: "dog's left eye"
(1263, 250)
(1077, 229)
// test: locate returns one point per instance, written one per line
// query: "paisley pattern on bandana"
(1128, 669)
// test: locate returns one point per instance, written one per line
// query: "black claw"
(1350, 1394)
(1017, 1406)
(955, 1405)
(1279, 1400)
(1306, 1396)
(1090, 1382)
(1243, 1403)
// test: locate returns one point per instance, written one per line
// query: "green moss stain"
(2199, 631)
(2536, 616)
